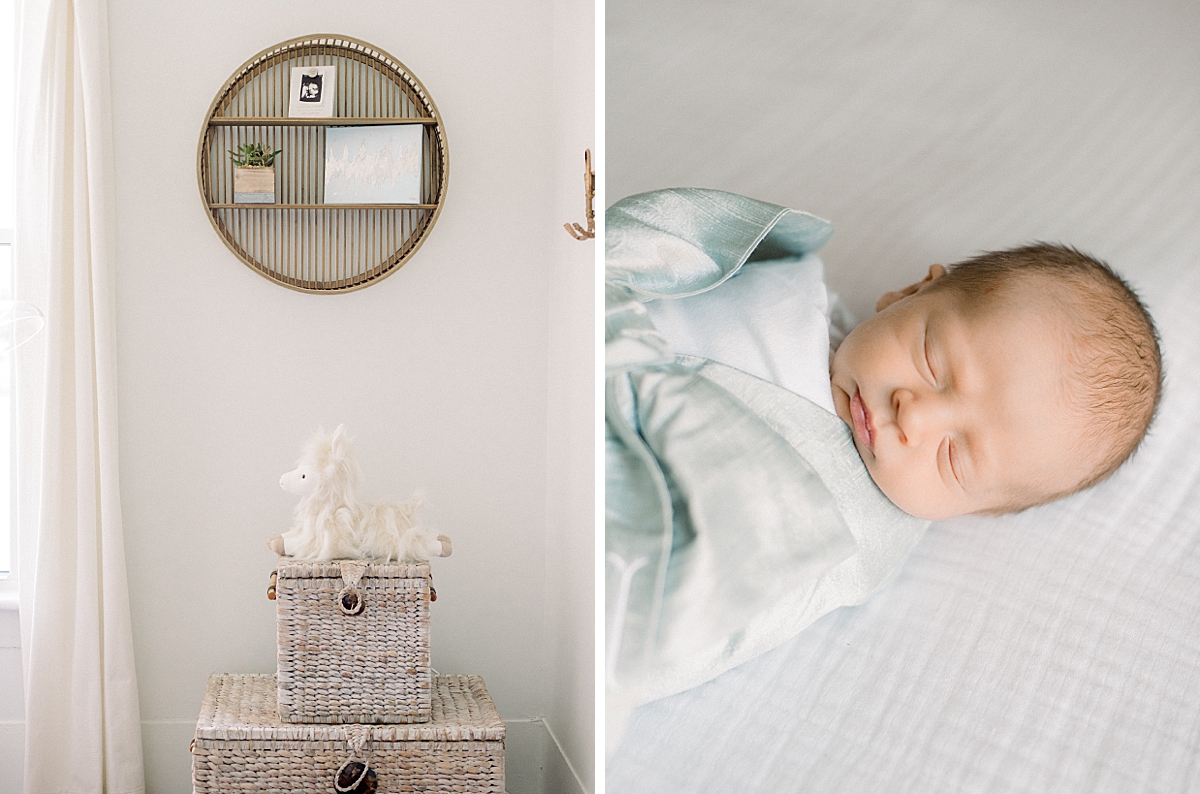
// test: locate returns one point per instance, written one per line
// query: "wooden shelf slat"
(323, 206)
(283, 121)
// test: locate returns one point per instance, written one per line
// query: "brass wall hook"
(589, 193)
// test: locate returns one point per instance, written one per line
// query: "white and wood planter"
(254, 185)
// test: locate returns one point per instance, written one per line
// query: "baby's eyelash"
(950, 457)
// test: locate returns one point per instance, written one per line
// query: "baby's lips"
(862, 421)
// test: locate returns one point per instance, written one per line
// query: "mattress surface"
(1057, 650)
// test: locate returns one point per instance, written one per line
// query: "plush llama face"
(326, 468)
(300, 481)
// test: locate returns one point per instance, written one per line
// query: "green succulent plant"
(253, 155)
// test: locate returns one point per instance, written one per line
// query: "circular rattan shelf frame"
(302, 242)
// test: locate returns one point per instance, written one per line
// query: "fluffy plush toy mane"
(329, 523)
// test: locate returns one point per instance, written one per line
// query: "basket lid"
(290, 567)
(243, 707)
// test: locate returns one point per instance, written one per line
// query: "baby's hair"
(1115, 348)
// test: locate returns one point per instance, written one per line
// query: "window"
(7, 222)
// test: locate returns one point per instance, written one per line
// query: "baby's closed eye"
(925, 356)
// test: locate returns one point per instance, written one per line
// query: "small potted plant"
(254, 174)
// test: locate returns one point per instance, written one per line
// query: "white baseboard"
(534, 762)
(564, 777)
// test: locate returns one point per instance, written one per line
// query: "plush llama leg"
(418, 544)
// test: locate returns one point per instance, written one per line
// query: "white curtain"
(82, 725)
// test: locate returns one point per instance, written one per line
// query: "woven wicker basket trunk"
(241, 745)
(353, 641)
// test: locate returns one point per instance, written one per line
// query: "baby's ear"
(935, 272)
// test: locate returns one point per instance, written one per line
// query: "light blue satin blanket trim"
(736, 511)
(704, 236)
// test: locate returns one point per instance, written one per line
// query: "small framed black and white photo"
(312, 92)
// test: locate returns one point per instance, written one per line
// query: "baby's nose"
(920, 416)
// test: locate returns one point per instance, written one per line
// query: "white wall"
(572, 406)
(441, 370)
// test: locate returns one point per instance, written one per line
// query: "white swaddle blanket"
(737, 511)
(775, 320)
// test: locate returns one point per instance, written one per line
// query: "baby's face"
(959, 410)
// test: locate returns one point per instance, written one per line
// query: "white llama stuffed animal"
(330, 523)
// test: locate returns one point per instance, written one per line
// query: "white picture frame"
(312, 91)
(375, 164)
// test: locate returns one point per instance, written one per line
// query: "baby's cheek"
(912, 492)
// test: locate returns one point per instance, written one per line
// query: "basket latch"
(354, 776)
(349, 599)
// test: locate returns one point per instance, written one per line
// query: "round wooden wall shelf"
(299, 239)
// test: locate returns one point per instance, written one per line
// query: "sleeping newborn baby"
(1010, 380)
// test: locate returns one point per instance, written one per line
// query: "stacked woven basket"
(354, 708)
